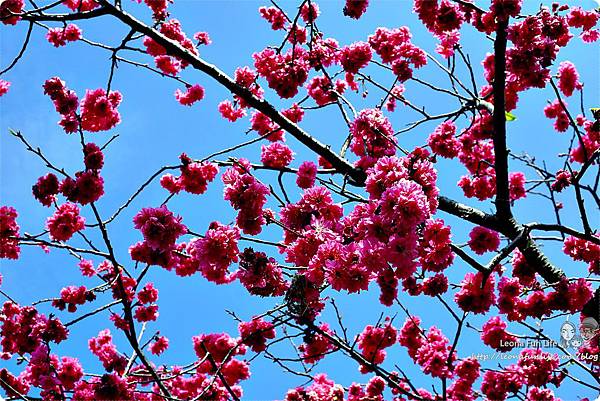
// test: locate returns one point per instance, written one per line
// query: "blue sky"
(155, 129)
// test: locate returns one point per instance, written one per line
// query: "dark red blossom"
(476, 295)
(159, 226)
(355, 56)
(316, 345)
(286, 72)
(87, 187)
(46, 189)
(372, 137)
(256, 332)
(247, 195)
(261, 275)
(494, 335)
(216, 251)
(483, 240)
(103, 347)
(373, 341)
(23, 329)
(93, 156)
(355, 8)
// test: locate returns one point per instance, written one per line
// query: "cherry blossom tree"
(367, 213)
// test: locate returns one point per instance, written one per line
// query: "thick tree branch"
(499, 120)
(65, 17)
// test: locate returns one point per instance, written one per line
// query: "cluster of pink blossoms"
(323, 91)
(566, 296)
(216, 251)
(158, 7)
(556, 111)
(476, 294)
(72, 296)
(9, 233)
(284, 73)
(495, 335)
(87, 187)
(430, 350)
(352, 252)
(276, 155)
(587, 21)
(444, 20)
(568, 78)
(98, 110)
(222, 349)
(535, 368)
(194, 178)
(395, 94)
(246, 194)
(10, 7)
(467, 371)
(23, 329)
(192, 94)
(395, 48)
(261, 275)
(373, 341)
(168, 64)
(245, 77)
(147, 310)
(81, 5)
(589, 143)
(476, 153)
(562, 179)
(65, 102)
(159, 346)
(443, 141)
(4, 86)
(355, 8)
(264, 126)
(307, 174)
(585, 251)
(49, 373)
(310, 12)
(321, 389)
(274, 16)
(483, 240)
(256, 333)
(535, 48)
(65, 222)
(522, 271)
(60, 36)
(355, 57)
(160, 229)
(102, 346)
(372, 137)
(316, 345)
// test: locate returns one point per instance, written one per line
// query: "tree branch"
(499, 121)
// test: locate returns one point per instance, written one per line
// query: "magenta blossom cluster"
(60, 36)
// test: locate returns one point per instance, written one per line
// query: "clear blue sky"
(155, 129)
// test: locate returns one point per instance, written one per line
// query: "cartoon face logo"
(588, 328)
(567, 331)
